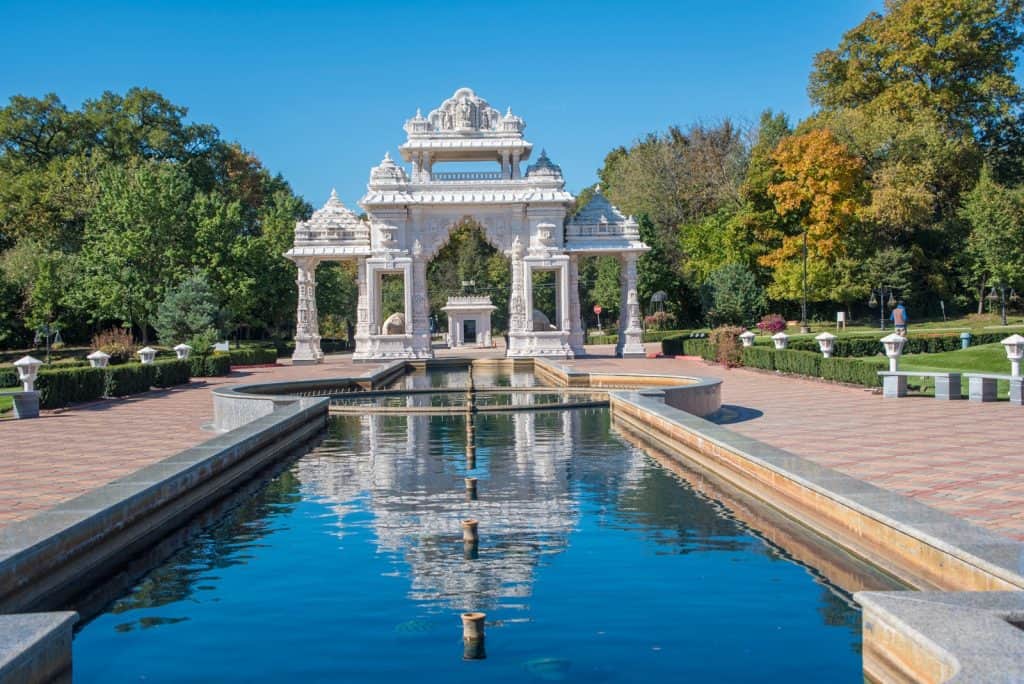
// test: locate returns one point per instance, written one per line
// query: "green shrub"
(170, 372)
(62, 386)
(129, 378)
(725, 341)
(251, 356)
(210, 365)
(759, 357)
(798, 362)
(9, 376)
(854, 371)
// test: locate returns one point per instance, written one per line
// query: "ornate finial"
(597, 189)
(508, 112)
(387, 156)
(419, 113)
(417, 249)
(334, 193)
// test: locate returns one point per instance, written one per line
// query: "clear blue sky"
(319, 91)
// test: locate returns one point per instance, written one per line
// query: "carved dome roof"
(333, 222)
(544, 168)
(388, 173)
(465, 113)
(600, 212)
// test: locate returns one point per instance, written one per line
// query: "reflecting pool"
(596, 563)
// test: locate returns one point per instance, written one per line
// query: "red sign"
(598, 309)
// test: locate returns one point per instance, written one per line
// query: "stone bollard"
(471, 491)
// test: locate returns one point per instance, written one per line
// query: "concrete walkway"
(961, 457)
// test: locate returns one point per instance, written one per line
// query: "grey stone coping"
(989, 376)
(971, 633)
(997, 555)
(35, 647)
(919, 374)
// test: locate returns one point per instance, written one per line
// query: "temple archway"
(409, 215)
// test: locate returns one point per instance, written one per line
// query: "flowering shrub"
(726, 343)
(771, 324)
(117, 342)
(659, 320)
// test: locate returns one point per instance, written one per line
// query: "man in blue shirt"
(899, 318)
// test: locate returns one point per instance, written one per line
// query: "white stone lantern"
(183, 350)
(28, 369)
(827, 343)
(747, 338)
(1014, 345)
(893, 345)
(98, 359)
(780, 339)
(147, 355)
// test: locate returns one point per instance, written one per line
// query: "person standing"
(899, 318)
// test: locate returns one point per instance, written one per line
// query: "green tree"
(956, 58)
(137, 242)
(188, 311)
(733, 297)
(996, 242)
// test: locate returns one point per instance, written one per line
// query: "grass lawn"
(6, 403)
(985, 358)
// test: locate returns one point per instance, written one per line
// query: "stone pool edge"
(43, 557)
(935, 636)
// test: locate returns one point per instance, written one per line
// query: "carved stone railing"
(602, 230)
(332, 235)
(466, 176)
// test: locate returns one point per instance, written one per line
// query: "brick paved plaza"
(961, 457)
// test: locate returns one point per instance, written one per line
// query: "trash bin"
(965, 340)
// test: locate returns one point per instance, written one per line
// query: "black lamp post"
(1001, 298)
(880, 300)
(803, 300)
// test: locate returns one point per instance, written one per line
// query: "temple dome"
(333, 222)
(388, 173)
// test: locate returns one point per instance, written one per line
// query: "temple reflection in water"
(408, 471)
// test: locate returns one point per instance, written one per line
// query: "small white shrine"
(411, 212)
(469, 321)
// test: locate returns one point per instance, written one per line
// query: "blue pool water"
(595, 564)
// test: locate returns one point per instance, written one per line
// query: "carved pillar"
(576, 334)
(515, 164)
(362, 311)
(420, 304)
(506, 168)
(315, 312)
(517, 314)
(630, 329)
(305, 314)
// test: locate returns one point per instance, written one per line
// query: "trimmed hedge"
(129, 378)
(62, 386)
(252, 356)
(869, 345)
(849, 370)
(170, 372)
(9, 377)
(210, 365)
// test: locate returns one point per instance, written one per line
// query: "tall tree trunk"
(981, 299)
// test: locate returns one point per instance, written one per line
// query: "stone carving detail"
(541, 321)
(544, 168)
(517, 305)
(601, 219)
(464, 111)
(388, 173)
(394, 325)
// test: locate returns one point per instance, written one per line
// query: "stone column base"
(894, 386)
(1016, 391)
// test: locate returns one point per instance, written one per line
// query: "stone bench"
(947, 384)
(982, 387)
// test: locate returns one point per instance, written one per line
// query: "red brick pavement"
(68, 452)
(961, 457)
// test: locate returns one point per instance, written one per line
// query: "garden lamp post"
(1014, 345)
(147, 355)
(26, 402)
(804, 328)
(658, 300)
(826, 342)
(1000, 297)
(747, 338)
(98, 359)
(780, 339)
(183, 350)
(893, 345)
